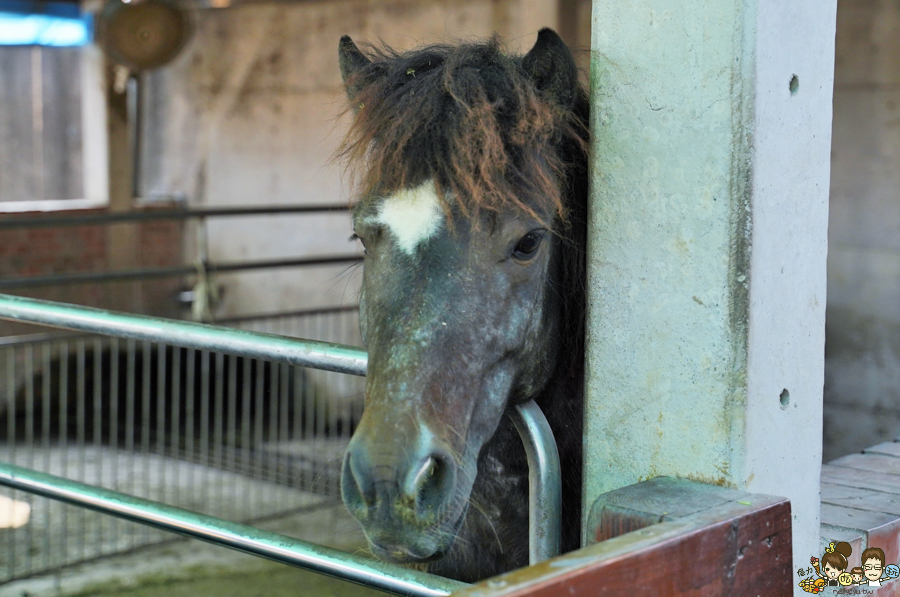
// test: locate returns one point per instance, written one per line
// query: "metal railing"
(172, 271)
(27, 222)
(543, 459)
(19, 222)
(198, 336)
(244, 440)
(287, 550)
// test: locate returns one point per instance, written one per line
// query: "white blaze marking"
(13, 513)
(412, 215)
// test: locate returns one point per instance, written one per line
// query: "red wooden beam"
(710, 541)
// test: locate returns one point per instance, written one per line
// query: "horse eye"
(354, 237)
(528, 246)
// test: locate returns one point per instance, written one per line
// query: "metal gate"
(237, 438)
(254, 361)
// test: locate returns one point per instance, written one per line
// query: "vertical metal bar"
(231, 435)
(114, 357)
(204, 424)
(273, 422)
(347, 385)
(158, 488)
(29, 404)
(98, 430)
(190, 410)
(130, 415)
(46, 418)
(317, 403)
(246, 417)
(259, 398)
(64, 437)
(309, 429)
(146, 377)
(297, 375)
(175, 435)
(98, 397)
(161, 418)
(219, 424)
(283, 438)
(130, 403)
(13, 440)
(80, 439)
(338, 383)
(46, 415)
(321, 409)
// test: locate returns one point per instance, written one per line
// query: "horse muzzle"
(405, 498)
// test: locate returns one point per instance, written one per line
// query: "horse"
(470, 166)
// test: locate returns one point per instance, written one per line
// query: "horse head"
(464, 171)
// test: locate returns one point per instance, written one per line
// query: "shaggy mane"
(466, 116)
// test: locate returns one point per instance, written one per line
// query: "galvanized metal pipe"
(540, 445)
(287, 550)
(16, 222)
(303, 353)
(544, 481)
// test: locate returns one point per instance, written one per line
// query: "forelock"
(465, 116)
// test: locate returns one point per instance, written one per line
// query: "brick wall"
(62, 250)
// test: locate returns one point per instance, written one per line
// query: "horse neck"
(564, 390)
(562, 399)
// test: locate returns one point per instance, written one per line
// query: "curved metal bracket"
(544, 481)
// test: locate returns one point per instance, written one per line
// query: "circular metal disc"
(143, 34)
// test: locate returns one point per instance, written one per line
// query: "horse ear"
(551, 66)
(350, 58)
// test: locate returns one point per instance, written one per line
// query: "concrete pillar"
(711, 136)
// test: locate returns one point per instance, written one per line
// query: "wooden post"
(122, 245)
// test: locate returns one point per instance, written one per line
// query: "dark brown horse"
(472, 171)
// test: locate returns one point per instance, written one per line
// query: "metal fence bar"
(544, 488)
(304, 353)
(540, 446)
(40, 337)
(179, 214)
(168, 272)
(273, 546)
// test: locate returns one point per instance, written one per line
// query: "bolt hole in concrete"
(794, 85)
(785, 398)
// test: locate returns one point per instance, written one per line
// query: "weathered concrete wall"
(711, 126)
(862, 366)
(248, 115)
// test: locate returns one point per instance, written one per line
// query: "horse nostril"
(418, 477)
(357, 489)
(429, 484)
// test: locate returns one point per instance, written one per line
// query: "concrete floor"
(190, 568)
